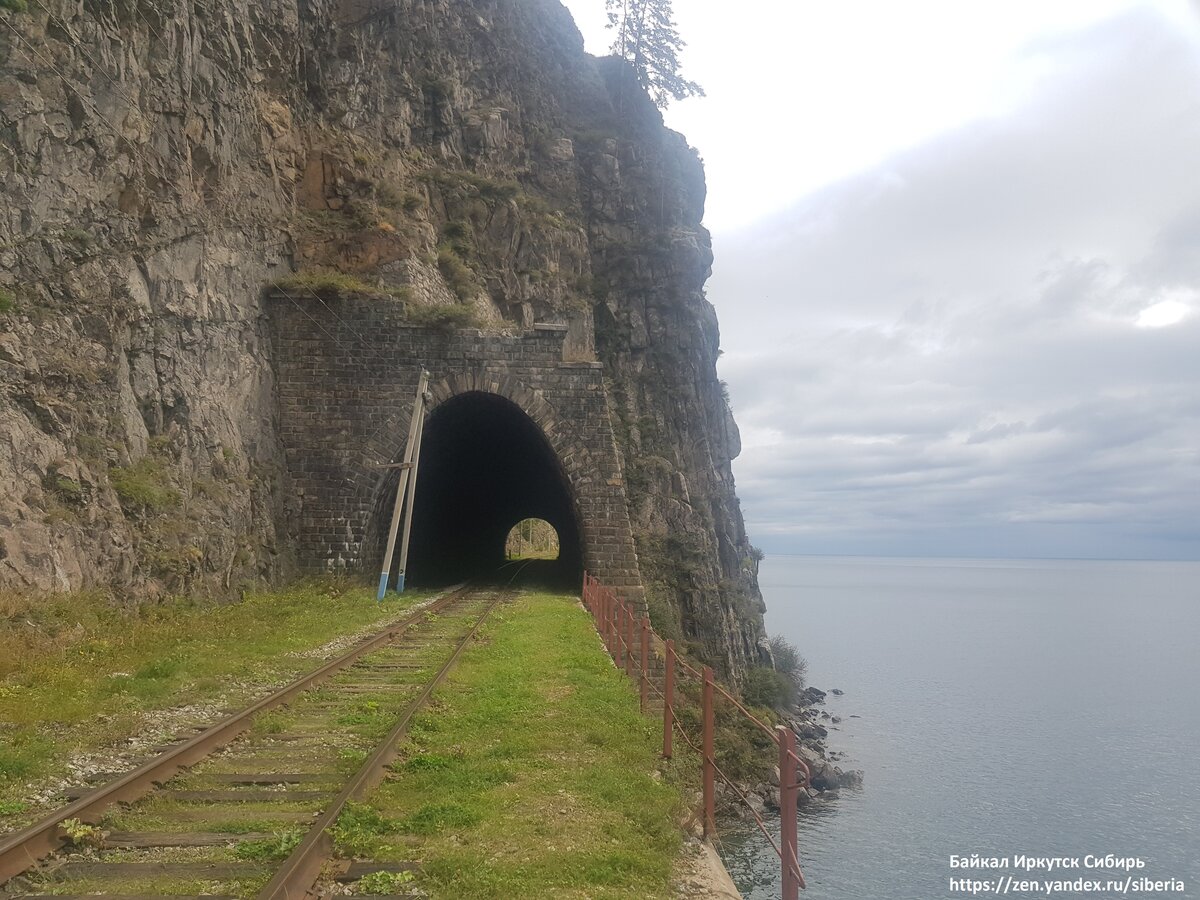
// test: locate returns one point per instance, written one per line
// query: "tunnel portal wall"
(346, 375)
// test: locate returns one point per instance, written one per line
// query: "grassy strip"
(534, 776)
(78, 671)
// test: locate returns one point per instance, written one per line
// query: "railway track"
(248, 806)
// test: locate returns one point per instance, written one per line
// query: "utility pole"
(406, 467)
(412, 495)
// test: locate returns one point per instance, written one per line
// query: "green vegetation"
(459, 237)
(536, 776)
(466, 189)
(777, 688)
(77, 670)
(328, 284)
(66, 489)
(79, 237)
(459, 275)
(64, 497)
(278, 846)
(145, 486)
(446, 317)
(80, 834)
(14, 5)
(532, 539)
(14, 763)
(384, 883)
(259, 817)
(664, 616)
(387, 195)
(459, 184)
(240, 826)
(788, 660)
(368, 713)
(8, 301)
(173, 564)
(648, 38)
(768, 688)
(359, 831)
(743, 751)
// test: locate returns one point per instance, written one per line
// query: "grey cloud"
(940, 356)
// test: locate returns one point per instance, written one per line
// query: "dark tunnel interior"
(485, 466)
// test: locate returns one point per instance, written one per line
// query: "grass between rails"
(534, 775)
(78, 671)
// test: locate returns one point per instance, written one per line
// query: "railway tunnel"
(485, 466)
(517, 428)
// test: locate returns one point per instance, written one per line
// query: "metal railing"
(635, 647)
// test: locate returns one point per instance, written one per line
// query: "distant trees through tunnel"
(532, 539)
(485, 467)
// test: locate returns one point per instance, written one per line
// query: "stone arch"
(570, 462)
(344, 407)
(573, 455)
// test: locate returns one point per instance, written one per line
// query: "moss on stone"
(144, 486)
(328, 284)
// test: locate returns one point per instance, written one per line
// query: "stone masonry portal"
(346, 375)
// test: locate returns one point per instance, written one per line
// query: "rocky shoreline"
(811, 724)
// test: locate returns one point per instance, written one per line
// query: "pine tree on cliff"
(648, 38)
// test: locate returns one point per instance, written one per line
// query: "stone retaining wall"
(346, 374)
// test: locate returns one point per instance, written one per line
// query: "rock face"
(162, 164)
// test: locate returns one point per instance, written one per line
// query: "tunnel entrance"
(486, 466)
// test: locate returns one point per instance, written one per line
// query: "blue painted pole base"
(400, 583)
(383, 580)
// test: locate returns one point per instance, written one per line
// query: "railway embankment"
(89, 685)
(531, 771)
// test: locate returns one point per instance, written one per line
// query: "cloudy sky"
(958, 270)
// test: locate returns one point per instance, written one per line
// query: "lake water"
(1047, 708)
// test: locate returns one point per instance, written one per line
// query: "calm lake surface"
(1049, 708)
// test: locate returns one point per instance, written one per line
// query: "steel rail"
(20, 850)
(297, 875)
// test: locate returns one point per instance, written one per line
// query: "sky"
(957, 270)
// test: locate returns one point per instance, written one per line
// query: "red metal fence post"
(609, 614)
(615, 624)
(788, 789)
(710, 800)
(602, 600)
(669, 700)
(645, 662)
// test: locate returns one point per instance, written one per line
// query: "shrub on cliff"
(777, 688)
(788, 660)
(771, 689)
(459, 276)
(144, 487)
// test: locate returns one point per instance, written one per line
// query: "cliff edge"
(162, 164)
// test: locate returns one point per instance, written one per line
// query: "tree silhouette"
(648, 38)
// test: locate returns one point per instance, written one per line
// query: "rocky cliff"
(162, 163)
